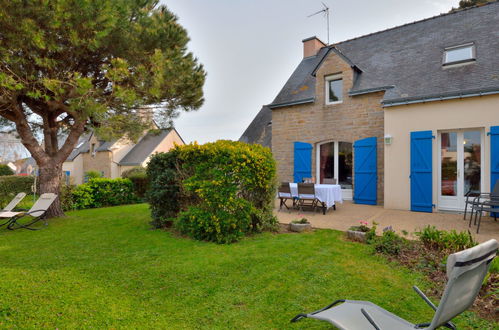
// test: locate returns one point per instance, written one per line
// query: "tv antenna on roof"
(325, 10)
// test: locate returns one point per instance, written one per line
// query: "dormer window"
(459, 54)
(334, 89)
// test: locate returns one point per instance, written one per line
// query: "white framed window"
(459, 54)
(334, 89)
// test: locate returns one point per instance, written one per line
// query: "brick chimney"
(311, 46)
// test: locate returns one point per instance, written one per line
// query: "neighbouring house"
(407, 117)
(11, 148)
(25, 166)
(112, 158)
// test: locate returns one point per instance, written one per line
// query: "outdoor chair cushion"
(348, 315)
(307, 196)
(13, 203)
(9, 214)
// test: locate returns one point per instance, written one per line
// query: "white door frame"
(457, 203)
(347, 194)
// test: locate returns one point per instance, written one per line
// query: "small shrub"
(449, 241)
(363, 227)
(494, 266)
(5, 170)
(300, 221)
(389, 243)
(371, 234)
(92, 175)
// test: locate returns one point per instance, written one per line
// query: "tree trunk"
(50, 182)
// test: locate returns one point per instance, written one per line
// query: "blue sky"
(250, 48)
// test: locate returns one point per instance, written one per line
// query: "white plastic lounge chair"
(465, 272)
(36, 212)
(13, 203)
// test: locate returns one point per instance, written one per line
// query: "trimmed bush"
(138, 176)
(5, 170)
(135, 170)
(164, 191)
(217, 192)
(98, 193)
(11, 185)
(109, 192)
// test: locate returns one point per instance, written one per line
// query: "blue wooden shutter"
(494, 156)
(421, 171)
(303, 161)
(365, 171)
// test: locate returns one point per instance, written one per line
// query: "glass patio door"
(460, 167)
(335, 161)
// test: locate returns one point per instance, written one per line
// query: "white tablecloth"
(326, 193)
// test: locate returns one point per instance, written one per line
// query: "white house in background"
(112, 158)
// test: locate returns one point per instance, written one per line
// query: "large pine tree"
(470, 3)
(67, 66)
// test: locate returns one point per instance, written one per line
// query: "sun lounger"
(466, 271)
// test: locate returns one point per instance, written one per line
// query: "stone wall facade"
(99, 161)
(357, 117)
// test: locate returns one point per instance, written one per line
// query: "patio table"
(326, 193)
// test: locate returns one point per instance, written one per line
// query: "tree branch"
(75, 132)
(27, 138)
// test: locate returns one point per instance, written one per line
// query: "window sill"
(458, 63)
(333, 103)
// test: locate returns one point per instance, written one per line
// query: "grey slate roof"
(406, 61)
(260, 129)
(84, 147)
(144, 147)
(105, 145)
(300, 87)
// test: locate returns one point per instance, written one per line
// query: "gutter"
(393, 103)
(369, 90)
(285, 104)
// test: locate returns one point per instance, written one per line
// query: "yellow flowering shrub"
(226, 190)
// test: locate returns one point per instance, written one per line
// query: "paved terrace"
(348, 214)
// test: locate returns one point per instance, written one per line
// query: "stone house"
(112, 158)
(407, 117)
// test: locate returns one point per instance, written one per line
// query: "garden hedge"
(5, 170)
(216, 192)
(11, 185)
(138, 176)
(99, 192)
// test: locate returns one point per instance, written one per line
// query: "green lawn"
(105, 268)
